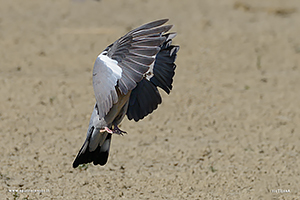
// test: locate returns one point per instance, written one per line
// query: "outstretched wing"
(145, 97)
(136, 51)
(124, 63)
(106, 73)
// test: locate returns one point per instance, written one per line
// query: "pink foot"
(106, 129)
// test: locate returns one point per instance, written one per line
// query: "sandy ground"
(228, 130)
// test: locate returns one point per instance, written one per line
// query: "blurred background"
(228, 130)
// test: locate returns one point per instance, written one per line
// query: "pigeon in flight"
(125, 80)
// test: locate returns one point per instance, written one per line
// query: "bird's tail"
(98, 156)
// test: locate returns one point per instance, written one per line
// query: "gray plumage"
(125, 80)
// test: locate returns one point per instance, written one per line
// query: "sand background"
(228, 130)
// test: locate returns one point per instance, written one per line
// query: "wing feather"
(125, 62)
(104, 81)
(149, 25)
(153, 31)
(145, 97)
(148, 51)
(135, 52)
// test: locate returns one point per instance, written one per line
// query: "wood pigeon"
(125, 80)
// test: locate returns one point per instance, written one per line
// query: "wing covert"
(106, 73)
(135, 52)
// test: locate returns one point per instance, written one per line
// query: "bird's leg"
(117, 130)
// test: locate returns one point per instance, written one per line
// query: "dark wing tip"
(154, 23)
(163, 20)
(158, 22)
(144, 99)
(164, 66)
(149, 25)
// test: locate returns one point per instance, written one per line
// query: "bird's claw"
(118, 131)
(115, 130)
